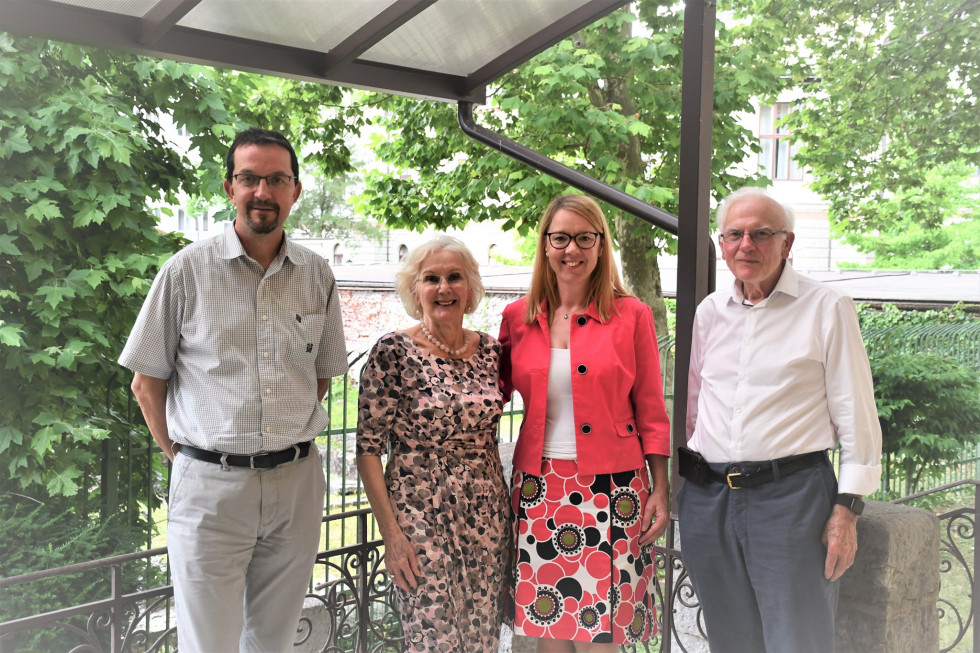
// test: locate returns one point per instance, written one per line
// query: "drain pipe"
(614, 196)
(623, 201)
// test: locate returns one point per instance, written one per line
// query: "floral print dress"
(437, 419)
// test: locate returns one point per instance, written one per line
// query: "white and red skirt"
(580, 572)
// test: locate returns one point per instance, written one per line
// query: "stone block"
(888, 597)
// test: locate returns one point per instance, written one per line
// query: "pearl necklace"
(435, 341)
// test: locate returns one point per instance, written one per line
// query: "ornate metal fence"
(350, 606)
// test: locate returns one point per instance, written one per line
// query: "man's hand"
(840, 538)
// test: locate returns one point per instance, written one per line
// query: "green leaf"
(10, 335)
(43, 210)
(7, 245)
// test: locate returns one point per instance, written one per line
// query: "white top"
(559, 422)
(242, 347)
(787, 376)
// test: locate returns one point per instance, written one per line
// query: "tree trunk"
(641, 270)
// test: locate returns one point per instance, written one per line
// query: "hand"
(655, 517)
(401, 562)
(840, 538)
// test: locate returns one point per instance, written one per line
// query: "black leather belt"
(693, 466)
(258, 461)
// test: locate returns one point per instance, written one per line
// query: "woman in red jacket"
(583, 355)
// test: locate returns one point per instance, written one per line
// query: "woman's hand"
(401, 562)
(400, 559)
(656, 512)
(655, 515)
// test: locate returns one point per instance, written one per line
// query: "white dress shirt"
(786, 376)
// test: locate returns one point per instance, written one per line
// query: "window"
(338, 255)
(402, 252)
(776, 159)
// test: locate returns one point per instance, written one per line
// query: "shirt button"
(265, 318)
(582, 369)
(629, 428)
(586, 429)
(266, 354)
(582, 320)
(268, 391)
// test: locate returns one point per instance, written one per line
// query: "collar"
(788, 284)
(230, 247)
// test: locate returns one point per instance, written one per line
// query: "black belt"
(258, 461)
(694, 467)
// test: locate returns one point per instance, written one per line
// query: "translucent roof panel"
(444, 49)
(459, 36)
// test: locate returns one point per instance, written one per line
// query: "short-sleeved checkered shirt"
(242, 348)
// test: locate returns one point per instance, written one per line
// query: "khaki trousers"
(241, 546)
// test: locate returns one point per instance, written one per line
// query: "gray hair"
(754, 192)
(407, 276)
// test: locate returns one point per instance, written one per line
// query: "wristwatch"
(851, 502)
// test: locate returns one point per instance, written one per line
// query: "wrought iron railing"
(351, 606)
(959, 561)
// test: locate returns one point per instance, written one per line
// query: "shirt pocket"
(303, 341)
(627, 428)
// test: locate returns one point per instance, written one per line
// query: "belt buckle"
(737, 473)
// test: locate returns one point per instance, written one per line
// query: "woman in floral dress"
(430, 400)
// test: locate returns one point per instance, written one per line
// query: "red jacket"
(617, 394)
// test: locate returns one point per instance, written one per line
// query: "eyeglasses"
(454, 279)
(735, 236)
(584, 240)
(273, 182)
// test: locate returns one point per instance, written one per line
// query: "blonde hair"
(406, 279)
(605, 284)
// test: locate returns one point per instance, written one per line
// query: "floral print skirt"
(580, 572)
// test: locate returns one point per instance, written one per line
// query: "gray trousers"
(756, 561)
(241, 547)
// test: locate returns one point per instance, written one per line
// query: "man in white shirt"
(778, 376)
(233, 350)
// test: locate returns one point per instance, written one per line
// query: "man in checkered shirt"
(233, 351)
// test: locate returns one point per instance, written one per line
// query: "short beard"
(260, 226)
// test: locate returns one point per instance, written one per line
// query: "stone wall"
(369, 314)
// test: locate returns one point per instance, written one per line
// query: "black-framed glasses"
(583, 240)
(735, 236)
(274, 182)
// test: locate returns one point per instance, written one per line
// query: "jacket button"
(586, 429)
(582, 320)
(629, 428)
(582, 369)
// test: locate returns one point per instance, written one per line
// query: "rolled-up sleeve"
(851, 400)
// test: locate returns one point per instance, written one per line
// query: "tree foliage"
(929, 409)
(887, 115)
(324, 210)
(605, 101)
(84, 158)
(927, 386)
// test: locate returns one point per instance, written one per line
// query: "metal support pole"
(695, 251)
